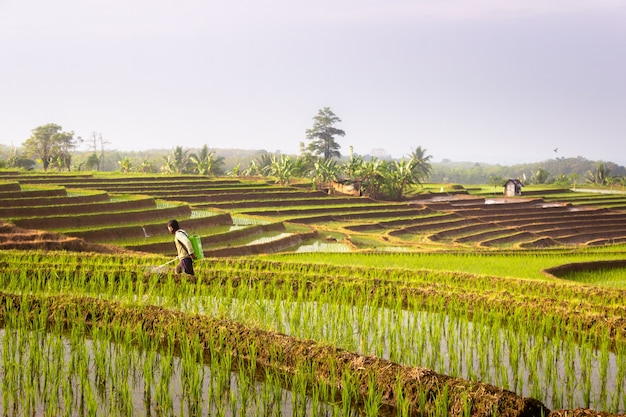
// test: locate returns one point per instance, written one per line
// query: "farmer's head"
(172, 226)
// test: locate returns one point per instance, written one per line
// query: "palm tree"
(303, 166)
(325, 171)
(126, 165)
(353, 166)
(539, 177)
(600, 175)
(215, 164)
(200, 161)
(180, 160)
(388, 178)
(147, 166)
(371, 178)
(281, 167)
(420, 164)
(206, 163)
(259, 166)
(398, 177)
(253, 169)
(168, 167)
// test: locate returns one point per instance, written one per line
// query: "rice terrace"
(455, 302)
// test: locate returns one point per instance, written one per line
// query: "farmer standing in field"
(184, 248)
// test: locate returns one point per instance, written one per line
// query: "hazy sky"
(498, 81)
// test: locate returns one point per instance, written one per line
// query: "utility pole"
(94, 138)
(94, 148)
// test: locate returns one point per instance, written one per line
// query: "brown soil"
(20, 201)
(102, 219)
(565, 269)
(256, 204)
(100, 207)
(581, 412)
(151, 228)
(13, 237)
(208, 241)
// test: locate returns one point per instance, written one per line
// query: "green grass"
(522, 264)
(614, 277)
(361, 302)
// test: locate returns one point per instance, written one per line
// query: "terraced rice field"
(307, 303)
(130, 213)
(432, 221)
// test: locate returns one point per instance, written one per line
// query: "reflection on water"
(558, 372)
(83, 377)
(320, 246)
(97, 377)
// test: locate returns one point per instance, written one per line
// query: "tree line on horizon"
(320, 161)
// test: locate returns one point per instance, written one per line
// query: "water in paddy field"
(271, 237)
(322, 246)
(58, 376)
(97, 377)
(559, 373)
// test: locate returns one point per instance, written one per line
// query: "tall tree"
(48, 142)
(18, 160)
(93, 161)
(322, 134)
(420, 164)
(64, 146)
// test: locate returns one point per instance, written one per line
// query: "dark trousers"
(185, 265)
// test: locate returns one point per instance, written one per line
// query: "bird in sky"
(555, 150)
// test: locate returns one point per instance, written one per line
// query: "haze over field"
(468, 80)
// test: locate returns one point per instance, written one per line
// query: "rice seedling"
(373, 311)
(508, 264)
(613, 277)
